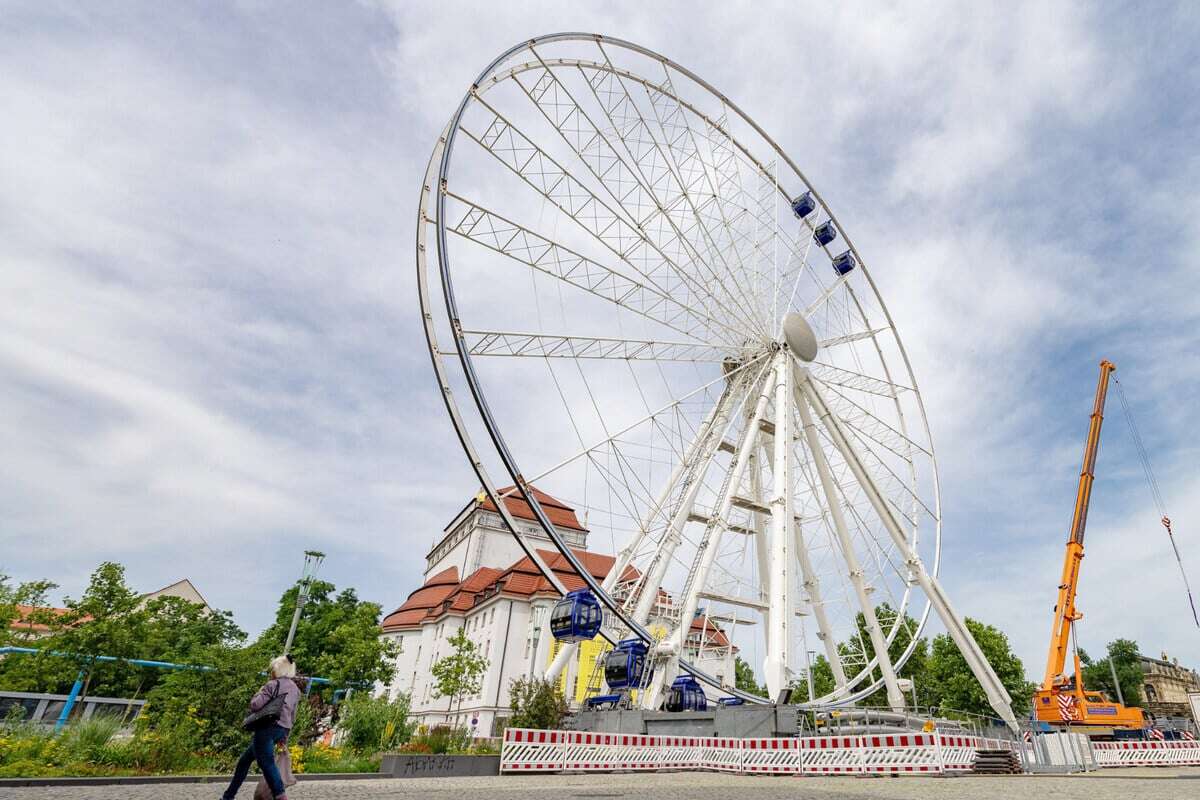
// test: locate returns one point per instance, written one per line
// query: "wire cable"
(1144, 457)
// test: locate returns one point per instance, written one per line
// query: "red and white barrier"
(902, 753)
(771, 756)
(885, 753)
(532, 751)
(1147, 753)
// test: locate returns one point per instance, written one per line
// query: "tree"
(823, 682)
(21, 608)
(460, 673)
(536, 703)
(338, 636)
(952, 685)
(107, 620)
(1123, 655)
(860, 649)
(743, 678)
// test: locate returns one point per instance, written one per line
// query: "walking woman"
(282, 693)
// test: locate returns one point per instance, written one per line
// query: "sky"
(210, 351)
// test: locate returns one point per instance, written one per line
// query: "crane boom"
(1065, 612)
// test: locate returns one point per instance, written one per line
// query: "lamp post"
(312, 562)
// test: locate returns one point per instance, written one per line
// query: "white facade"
(477, 576)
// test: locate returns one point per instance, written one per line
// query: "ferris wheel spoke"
(849, 379)
(888, 479)
(614, 232)
(851, 337)
(540, 345)
(623, 183)
(672, 162)
(665, 409)
(870, 425)
(488, 229)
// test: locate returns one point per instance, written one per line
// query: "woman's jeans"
(262, 750)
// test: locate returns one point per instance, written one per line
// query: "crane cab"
(576, 617)
(625, 665)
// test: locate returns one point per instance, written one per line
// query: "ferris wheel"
(657, 319)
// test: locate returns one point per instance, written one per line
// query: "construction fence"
(934, 753)
(526, 750)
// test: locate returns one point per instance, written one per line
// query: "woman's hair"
(283, 667)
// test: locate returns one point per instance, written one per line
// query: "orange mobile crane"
(1063, 700)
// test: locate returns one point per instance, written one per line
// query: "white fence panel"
(1147, 754)
(899, 753)
(532, 751)
(680, 752)
(722, 754)
(824, 755)
(771, 756)
(958, 752)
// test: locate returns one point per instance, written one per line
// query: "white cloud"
(210, 340)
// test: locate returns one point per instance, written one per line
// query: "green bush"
(536, 703)
(371, 724)
(442, 739)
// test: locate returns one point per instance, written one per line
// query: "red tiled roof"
(443, 594)
(715, 637)
(23, 621)
(561, 515)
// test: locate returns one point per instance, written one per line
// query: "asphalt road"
(1107, 785)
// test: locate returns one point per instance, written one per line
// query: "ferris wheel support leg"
(625, 556)
(674, 533)
(782, 519)
(997, 695)
(854, 568)
(711, 542)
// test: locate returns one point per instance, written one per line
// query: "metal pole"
(312, 562)
(70, 704)
(301, 598)
(808, 654)
(1113, 669)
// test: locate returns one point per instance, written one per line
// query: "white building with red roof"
(477, 577)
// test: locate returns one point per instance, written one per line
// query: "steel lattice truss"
(647, 331)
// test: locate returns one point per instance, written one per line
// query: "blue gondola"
(804, 205)
(844, 263)
(825, 233)
(625, 665)
(686, 695)
(731, 701)
(576, 617)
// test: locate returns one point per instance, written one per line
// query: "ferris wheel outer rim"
(446, 145)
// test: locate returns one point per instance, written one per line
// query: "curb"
(143, 780)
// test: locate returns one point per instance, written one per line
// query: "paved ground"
(1109, 785)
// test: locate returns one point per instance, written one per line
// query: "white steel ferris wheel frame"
(785, 381)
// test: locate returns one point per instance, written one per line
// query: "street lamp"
(312, 562)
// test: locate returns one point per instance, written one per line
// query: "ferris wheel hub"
(799, 336)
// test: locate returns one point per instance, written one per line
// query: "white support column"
(710, 543)
(846, 543)
(782, 520)
(761, 545)
(992, 686)
(629, 550)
